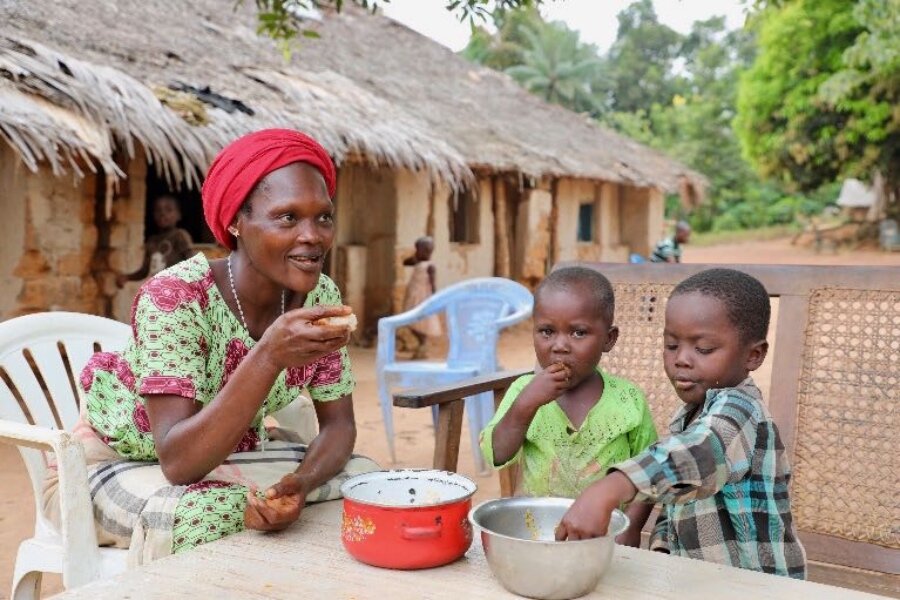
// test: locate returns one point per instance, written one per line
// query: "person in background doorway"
(420, 287)
(669, 249)
(168, 246)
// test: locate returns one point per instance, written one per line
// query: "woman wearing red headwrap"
(217, 346)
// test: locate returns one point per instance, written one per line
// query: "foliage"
(820, 101)
(817, 100)
(642, 60)
(695, 123)
(557, 67)
(546, 58)
(277, 18)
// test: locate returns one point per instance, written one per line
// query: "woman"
(173, 427)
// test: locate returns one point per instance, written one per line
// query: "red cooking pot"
(407, 518)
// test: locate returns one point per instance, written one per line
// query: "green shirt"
(560, 460)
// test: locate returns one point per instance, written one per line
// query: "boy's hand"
(589, 515)
(631, 537)
(549, 384)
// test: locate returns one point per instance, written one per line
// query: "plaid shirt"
(723, 481)
(666, 249)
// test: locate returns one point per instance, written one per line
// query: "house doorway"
(189, 202)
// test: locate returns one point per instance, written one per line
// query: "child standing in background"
(420, 287)
(169, 245)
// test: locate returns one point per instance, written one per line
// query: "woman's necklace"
(238, 300)
(261, 428)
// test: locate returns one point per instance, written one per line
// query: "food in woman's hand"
(348, 321)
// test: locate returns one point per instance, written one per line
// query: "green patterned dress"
(187, 342)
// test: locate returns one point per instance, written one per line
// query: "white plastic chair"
(41, 357)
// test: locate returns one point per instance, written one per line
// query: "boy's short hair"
(745, 298)
(589, 280)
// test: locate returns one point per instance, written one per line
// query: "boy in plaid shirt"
(723, 475)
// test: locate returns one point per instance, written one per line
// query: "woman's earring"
(233, 231)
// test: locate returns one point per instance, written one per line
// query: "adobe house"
(95, 127)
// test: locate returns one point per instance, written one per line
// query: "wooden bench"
(834, 393)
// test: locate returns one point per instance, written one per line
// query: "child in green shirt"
(570, 422)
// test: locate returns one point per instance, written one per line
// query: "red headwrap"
(240, 165)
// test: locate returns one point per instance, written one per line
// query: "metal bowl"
(518, 539)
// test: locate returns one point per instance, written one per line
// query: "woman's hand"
(296, 339)
(290, 485)
(274, 512)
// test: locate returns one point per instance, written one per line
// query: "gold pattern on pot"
(356, 528)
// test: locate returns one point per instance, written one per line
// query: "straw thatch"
(369, 87)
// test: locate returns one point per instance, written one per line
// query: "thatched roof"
(369, 88)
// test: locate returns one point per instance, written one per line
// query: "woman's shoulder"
(190, 270)
(183, 283)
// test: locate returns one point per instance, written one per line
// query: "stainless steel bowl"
(518, 539)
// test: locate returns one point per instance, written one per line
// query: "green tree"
(696, 126)
(546, 58)
(642, 60)
(506, 47)
(820, 101)
(276, 17)
(558, 67)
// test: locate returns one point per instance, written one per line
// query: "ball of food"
(348, 321)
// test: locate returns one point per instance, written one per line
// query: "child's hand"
(549, 384)
(587, 518)
(589, 515)
(631, 537)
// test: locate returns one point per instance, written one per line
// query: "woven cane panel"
(847, 458)
(638, 355)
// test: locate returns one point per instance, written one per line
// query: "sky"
(595, 20)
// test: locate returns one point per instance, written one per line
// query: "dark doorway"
(188, 200)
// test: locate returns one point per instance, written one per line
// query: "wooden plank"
(421, 398)
(778, 279)
(793, 313)
(830, 549)
(448, 434)
(856, 579)
(255, 565)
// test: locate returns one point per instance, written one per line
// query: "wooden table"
(308, 561)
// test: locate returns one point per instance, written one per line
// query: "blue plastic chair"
(636, 259)
(475, 310)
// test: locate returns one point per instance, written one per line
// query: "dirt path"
(415, 435)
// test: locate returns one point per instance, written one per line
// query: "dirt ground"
(415, 435)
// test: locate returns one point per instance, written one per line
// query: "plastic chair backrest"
(476, 311)
(41, 358)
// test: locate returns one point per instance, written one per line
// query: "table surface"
(308, 561)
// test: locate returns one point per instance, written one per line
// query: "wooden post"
(449, 431)
(502, 262)
(508, 475)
